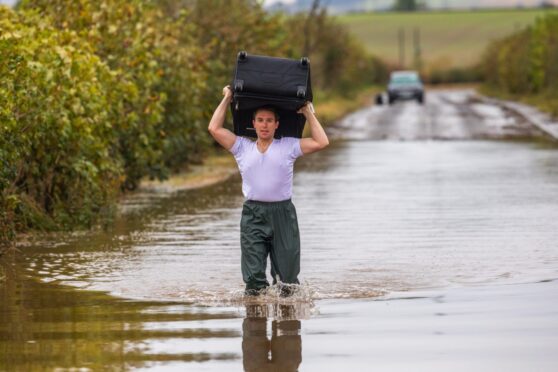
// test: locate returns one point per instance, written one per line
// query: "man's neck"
(263, 144)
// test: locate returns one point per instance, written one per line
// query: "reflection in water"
(46, 326)
(283, 352)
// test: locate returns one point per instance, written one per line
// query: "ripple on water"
(374, 217)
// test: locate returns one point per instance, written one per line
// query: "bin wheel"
(242, 55)
(238, 85)
(304, 61)
(301, 92)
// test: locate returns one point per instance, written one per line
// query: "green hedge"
(57, 108)
(128, 37)
(525, 64)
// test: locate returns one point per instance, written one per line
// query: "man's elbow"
(211, 130)
(324, 144)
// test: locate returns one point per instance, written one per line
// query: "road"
(446, 115)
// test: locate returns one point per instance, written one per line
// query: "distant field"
(448, 39)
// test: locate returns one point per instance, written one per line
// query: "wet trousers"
(269, 228)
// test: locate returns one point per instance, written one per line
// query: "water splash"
(280, 301)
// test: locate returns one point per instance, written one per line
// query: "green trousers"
(269, 228)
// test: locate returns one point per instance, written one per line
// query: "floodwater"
(418, 229)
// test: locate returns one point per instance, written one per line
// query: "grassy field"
(448, 39)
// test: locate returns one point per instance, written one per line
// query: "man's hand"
(306, 110)
(227, 92)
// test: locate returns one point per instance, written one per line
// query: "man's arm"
(318, 139)
(223, 136)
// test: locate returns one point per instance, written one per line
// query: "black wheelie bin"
(269, 81)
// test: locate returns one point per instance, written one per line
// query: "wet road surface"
(408, 198)
(446, 115)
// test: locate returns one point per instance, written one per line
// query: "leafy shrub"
(123, 35)
(56, 117)
(524, 64)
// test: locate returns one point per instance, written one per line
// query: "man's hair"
(266, 108)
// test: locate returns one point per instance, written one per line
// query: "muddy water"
(162, 286)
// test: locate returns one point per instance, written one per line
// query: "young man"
(269, 224)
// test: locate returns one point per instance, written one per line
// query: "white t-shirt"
(267, 176)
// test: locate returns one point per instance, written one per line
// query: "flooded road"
(409, 198)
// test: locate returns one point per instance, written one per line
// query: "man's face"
(265, 124)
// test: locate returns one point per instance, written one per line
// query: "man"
(269, 224)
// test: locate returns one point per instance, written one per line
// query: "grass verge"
(545, 102)
(218, 166)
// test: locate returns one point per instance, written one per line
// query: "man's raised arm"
(223, 136)
(318, 139)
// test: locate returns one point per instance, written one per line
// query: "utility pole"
(401, 38)
(307, 27)
(417, 56)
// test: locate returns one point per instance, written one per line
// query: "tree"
(405, 5)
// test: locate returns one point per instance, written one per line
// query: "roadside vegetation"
(97, 95)
(524, 66)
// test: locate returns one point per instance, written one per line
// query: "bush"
(123, 35)
(184, 75)
(56, 137)
(524, 64)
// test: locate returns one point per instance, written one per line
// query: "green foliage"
(56, 102)
(525, 63)
(123, 34)
(184, 82)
